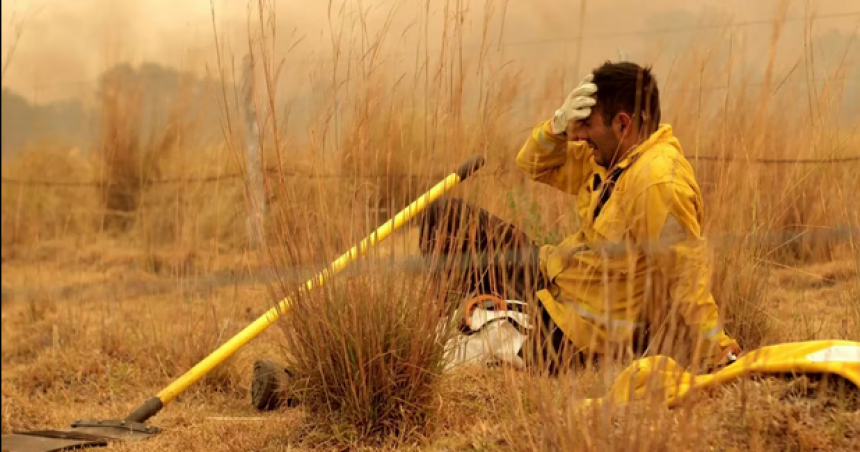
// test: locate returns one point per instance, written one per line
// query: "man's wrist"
(546, 130)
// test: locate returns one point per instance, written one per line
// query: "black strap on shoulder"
(606, 192)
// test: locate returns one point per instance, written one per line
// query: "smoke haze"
(65, 47)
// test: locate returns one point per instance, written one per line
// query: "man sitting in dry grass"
(638, 261)
(618, 285)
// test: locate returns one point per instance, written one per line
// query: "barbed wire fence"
(346, 176)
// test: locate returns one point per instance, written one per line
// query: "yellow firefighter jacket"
(639, 253)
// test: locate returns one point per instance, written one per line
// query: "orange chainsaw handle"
(473, 303)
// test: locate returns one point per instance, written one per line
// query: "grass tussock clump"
(368, 352)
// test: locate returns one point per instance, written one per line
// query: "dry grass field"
(126, 264)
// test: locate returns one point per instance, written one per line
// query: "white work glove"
(576, 107)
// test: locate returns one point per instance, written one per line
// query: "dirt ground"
(87, 333)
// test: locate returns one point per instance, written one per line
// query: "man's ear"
(623, 122)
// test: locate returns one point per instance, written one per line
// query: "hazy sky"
(66, 44)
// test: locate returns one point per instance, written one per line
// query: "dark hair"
(630, 88)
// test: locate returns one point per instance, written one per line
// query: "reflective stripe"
(711, 333)
(544, 144)
(613, 325)
(611, 322)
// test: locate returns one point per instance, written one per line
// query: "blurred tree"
(166, 96)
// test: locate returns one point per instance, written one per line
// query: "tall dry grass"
(367, 347)
(762, 216)
(34, 212)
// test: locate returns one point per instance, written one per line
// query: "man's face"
(603, 139)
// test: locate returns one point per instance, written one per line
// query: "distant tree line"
(156, 95)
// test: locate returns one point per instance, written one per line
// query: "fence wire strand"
(310, 175)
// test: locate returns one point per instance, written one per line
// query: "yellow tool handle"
(153, 405)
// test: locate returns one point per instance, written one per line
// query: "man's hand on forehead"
(577, 106)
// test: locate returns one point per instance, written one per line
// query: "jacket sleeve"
(552, 160)
(666, 223)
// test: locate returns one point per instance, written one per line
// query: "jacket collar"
(663, 133)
